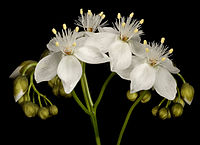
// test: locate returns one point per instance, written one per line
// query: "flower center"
(153, 62)
(90, 29)
(124, 38)
(68, 51)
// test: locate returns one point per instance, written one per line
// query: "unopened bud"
(187, 92)
(63, 93)
(168, 113)
(131, 96)
(179, 100)
(177, 110)
(154, 110)
(20, 86)
(52, 82)
(43, 113)
(29, 109)
(53, 110)
(146, 97)
(163, 113)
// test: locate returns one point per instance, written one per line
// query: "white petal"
(101, 40)
(125, 74)
(108, 29)
(138, 49)
(169, 66)
(16, 72)
(19, 95)
(120, 55)
(46, 68)
(142, 77)
(52, 45)
(69, 71)
(165, 84)
(91, 55)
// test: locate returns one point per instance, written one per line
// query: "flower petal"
(101, 40)
(125, 74)
(52, 45)
(138, 49)
(165, 84)
(142, 77)
(46, 68)
(90, 54)
(169, 66)
(16, 72)
(120, 55)
(69, 71)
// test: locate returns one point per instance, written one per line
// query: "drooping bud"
(29, 109)
(131, 96)
(43, 113)
(63, 93)
(53, 110)
(179, 100)
(20, 86)
(52, 82)
(187, 92)
(163, 113)
(168, 113)
(154, 110)
(146, 97)
(177, 110)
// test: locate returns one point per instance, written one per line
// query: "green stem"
(181, 77)
(79, 102)
(128, 116)
(102, 90)
(161, 102)
(179, 95)
(29, 66)
(96, 130)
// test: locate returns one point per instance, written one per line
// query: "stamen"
(131, 15)
(64, 26)
(118, 16)
(141, 21)
(54, 31)
(136, 30)
(89, 12)
(77, 29)
(81, 11)
(162, 40)
(147, 49)
(163, 59)
(57, 44)
(145, 42)
(123, 24)
(101, 14)
(171, 50)
(74, 44)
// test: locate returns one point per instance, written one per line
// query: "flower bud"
(146, 97)
(177, 110)
(154, 111)
(44, 53)
(55, 90)
(43, 113)
(20, 85)
(52, 82)
(26, 64)
(187, 92)
(163, 113)
(29, 109)
(168, 113)
(53, 110)
(179, 100)
(63, 93)
(131, 96)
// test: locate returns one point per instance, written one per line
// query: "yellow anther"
(89, 12)
(118, 16)
(171, 50)
(145, 42)
(77, 29)
(64, 26)
(81, 11)
(147, 49)
(123, 24)
(163, 59)
(136, 30)
(131, 15)
(101, 14)
(162, 40)
(74, 44)
(141, 21)
(54, 31)
(57, 44)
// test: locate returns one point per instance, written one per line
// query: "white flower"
(66, 51)
(152, 68)
(90, 22)
(118, 42)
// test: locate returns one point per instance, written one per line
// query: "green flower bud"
(168, 113)
(29, 109)
(20, 86)
(179, 100)
(177, 110)
(55, 90)
(52, 82)
(163, 113)
(53, 110)
(131, 96)
(146, 97)
(63, 93)
(154, 110)
(44, 53)
(26, 64)
(187, 92)
(43, 113)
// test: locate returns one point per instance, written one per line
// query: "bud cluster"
(133, 96)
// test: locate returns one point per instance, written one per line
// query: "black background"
(28, 30)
